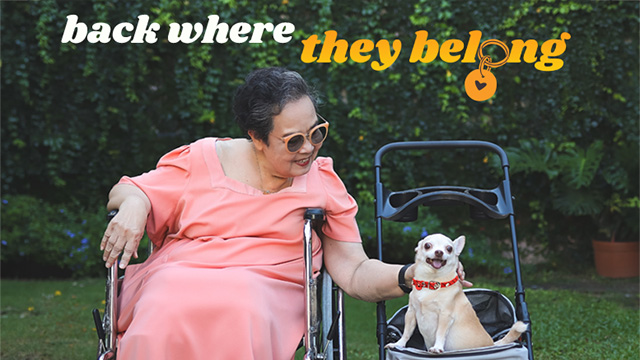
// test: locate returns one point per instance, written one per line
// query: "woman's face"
(296, 117)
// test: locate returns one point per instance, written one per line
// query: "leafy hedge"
(40, 239)
(78, 116)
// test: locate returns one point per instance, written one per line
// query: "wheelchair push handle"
(314, 214)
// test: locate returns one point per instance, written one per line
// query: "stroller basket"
(501, 352)
(496, 313)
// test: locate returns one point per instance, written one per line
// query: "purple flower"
(406, 229)
(507, 270)
(424, 232)
(5, 201)
(470, 252)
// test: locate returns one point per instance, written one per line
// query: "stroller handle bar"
(442, 144)
(402, 205)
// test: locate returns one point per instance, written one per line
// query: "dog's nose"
(439, 253)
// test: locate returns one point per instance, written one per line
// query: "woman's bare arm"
(358, 275)
(364, 278)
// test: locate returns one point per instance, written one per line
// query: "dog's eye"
(427, 246)
(449, 249)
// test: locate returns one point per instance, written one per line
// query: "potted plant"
(606, 185)
(582, 184)
(616, 252)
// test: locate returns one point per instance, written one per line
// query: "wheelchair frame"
(324, 337)
(106, 327)
(324, 328)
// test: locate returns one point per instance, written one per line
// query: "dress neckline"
(220, 179)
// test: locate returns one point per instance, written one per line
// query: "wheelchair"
(324, 337)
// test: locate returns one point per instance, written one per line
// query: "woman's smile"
(303, 162)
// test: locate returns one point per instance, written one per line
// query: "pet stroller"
(495, 311)
(324, 337)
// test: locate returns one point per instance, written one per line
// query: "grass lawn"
(49, 319)
(52, 320)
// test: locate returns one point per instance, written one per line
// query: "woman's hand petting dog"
(408, 276)
(461, 275)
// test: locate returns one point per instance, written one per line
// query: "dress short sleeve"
(164, 186)
(341, 208)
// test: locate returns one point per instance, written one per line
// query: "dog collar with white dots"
(433, 285)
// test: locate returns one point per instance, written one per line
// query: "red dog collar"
(433, 285)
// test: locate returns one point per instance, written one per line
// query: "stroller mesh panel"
(495, 311)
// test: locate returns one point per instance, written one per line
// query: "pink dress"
(227, 280)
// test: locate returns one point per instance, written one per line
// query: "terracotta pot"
(616, 259)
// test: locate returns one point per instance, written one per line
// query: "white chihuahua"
(438, 305)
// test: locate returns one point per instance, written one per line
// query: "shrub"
(40, 239)
(589, 187)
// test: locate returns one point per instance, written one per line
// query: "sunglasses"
(316, 136)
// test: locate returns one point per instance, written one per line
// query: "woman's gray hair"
(263, 96)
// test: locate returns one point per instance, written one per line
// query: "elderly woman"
(227, 279)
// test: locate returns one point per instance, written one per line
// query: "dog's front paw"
(394, 345)
(436, 350)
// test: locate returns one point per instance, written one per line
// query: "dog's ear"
(458, 244)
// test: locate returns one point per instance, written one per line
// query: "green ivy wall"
(75, 117)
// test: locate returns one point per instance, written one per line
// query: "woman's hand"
(461, 275)
(408, 275)
(125, 230)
